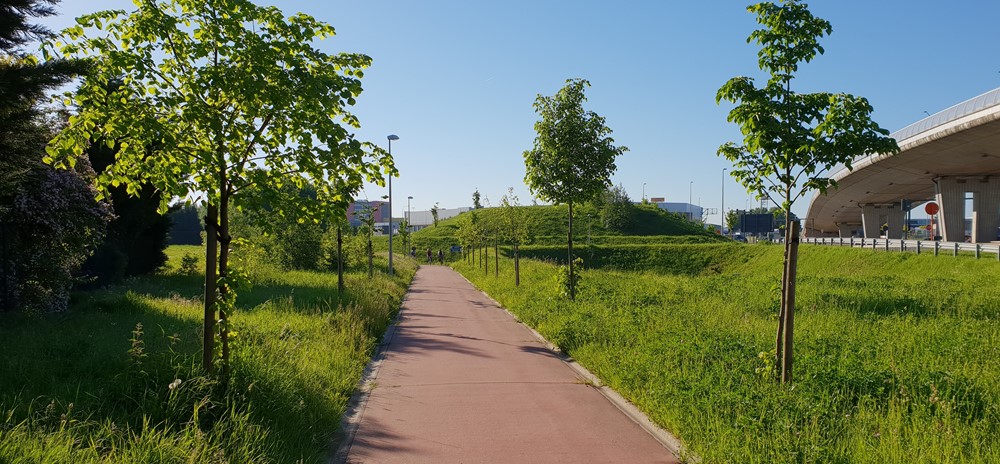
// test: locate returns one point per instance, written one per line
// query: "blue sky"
(456, 80)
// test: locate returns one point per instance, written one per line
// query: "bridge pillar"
(848, 230)
(951, 199)
(896, 216)
(870, 220)
(985, 209)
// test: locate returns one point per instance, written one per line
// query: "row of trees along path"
(225, 101)
(510, 224)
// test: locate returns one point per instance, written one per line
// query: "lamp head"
(393, 137)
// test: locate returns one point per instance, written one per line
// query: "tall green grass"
(897, 355)
(117, 378)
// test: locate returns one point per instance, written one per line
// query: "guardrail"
(915, 246)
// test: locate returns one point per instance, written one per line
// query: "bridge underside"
(945, 166)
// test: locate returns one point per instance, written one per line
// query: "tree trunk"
(793, 256)
(779, 341)
(340, 262)
(517, 266)
(486, 248)
(496, 257)
(572, 280)
(211, 253)
(371, 264)
(224, 240)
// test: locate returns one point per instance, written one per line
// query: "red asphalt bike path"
(461, 381)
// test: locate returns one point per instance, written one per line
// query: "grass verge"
(117, 378)
(897, 355)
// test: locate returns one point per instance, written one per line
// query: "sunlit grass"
(897, 355)
(88, 386)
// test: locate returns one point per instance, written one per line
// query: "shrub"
(57, 224)
(565, 285)
(189, 264)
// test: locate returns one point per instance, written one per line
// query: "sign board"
(657, 200)
(754, 224)
(931, 208)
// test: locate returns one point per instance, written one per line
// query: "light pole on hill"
(409, 222)
(722, 212)
(690, 197)
(391, 137)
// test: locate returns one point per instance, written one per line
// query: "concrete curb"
(668, 440)
(344, 438)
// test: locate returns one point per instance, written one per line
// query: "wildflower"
(176, 383)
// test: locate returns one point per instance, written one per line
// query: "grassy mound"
(549, 224)
(896, 354)
(117, 378)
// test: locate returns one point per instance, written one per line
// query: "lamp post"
(409, 222)
(690, 198)
(643, 191)
(722, 212)
(391, 137)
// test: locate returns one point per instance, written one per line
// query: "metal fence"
(980, 250)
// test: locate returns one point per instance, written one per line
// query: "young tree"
(405, 234)
(367, 216)
(733, 220)
(616, 209)
(434, 214)
(791, 140)
(515, 227)
(470, 234)
(573, 155)
(218, 97)
(475, 200)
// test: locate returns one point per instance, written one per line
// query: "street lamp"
(391, 137)
(643, 191)
(409, 219)
(723, 210)
(690, 198)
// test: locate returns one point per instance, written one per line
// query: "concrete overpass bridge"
(943, 158)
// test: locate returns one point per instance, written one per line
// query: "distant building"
(689, 211)
(358, 207)
(422, 219)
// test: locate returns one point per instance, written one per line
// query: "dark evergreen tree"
(49, 220)
(23, 79)
(137, 237)
(186, 226)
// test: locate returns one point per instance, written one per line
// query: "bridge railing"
(913, 246)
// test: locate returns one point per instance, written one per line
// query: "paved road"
(462, 381)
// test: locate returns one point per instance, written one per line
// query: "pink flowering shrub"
(57, 223)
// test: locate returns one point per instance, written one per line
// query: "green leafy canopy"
(218, 97)
(573, 155)
(791, 140)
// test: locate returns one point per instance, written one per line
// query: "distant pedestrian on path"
(430, 257)
(441, 256)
